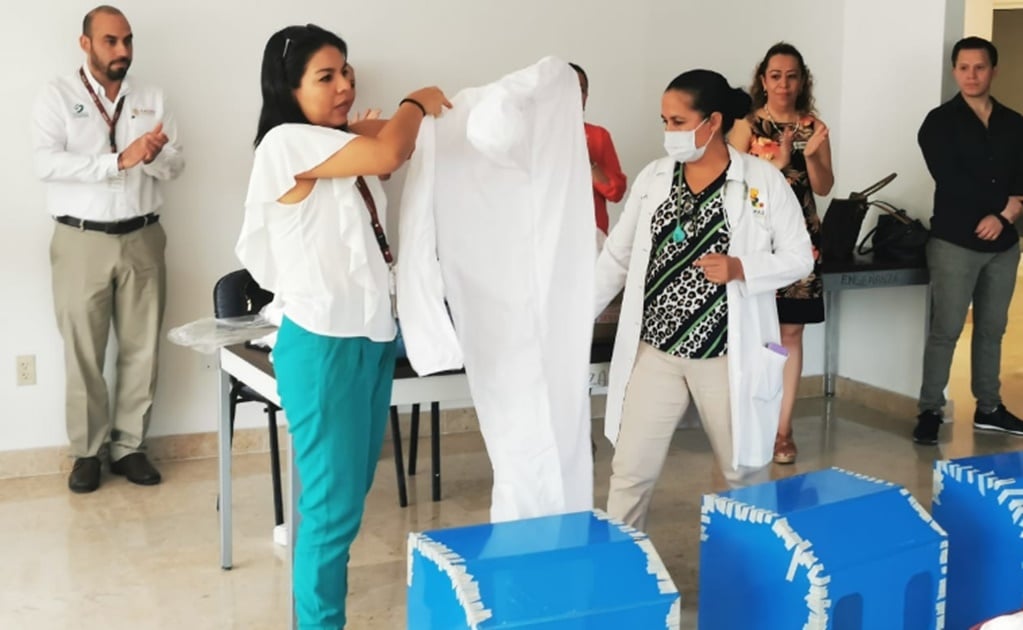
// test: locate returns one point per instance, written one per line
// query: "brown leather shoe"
(84, 475)
(137, 469)
(784, 449)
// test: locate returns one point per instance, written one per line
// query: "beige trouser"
(656, 398)
(99, 279)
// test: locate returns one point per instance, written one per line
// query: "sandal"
(784, 449)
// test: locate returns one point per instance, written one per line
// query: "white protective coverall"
(497, 219)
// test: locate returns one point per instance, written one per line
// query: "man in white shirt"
(101, 143)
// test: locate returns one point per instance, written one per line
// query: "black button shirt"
(975, 168)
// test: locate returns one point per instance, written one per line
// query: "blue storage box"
(829, 549)
(565, 572)
(979, 502)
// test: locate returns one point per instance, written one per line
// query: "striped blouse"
(684, 314)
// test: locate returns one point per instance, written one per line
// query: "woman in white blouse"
(313, 235)
(707, 236)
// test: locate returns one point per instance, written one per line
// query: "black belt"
(110, 227)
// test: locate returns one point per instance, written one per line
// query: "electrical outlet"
(26, 369)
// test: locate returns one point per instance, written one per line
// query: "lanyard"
(378, 230)
(111, 122)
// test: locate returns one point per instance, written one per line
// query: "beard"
(116, 74)
(112, 73)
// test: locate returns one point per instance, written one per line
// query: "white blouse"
(319, 256)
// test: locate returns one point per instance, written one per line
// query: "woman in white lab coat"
(706, 237)
(313, 235)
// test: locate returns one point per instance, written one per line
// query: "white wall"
(889, 90)
(206, 55)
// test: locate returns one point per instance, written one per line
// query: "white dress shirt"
(319, 256)
(71, 150)
(497, 219)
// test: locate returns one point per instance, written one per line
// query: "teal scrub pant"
(336, 393)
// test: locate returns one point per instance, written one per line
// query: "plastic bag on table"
(210, 333)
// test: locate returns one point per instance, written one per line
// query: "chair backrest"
(237, 294)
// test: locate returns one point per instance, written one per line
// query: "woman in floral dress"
(783, 128)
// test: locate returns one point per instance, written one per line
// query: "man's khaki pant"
(659, 391)
(99, 279)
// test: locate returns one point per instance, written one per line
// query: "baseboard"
(57, 460)
(885, 401)
(54, 460)
(811, 387)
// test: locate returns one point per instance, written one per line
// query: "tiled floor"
(1012, 363)
(147, 558)
(133, 557)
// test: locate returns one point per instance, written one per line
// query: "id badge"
(116, 183)
(392, 289)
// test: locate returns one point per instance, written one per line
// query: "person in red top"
(608, 178)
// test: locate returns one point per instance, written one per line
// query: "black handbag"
(843, 220)
(896, 237)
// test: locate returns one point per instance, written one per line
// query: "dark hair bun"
(710, 93)
(741, 103)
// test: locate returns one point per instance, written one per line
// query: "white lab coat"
(773, 244)
(497, 219)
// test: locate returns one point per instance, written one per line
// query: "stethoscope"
(687, 209)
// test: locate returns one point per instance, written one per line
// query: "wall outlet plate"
(25, 369)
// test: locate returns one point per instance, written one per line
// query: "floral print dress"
(803, 301)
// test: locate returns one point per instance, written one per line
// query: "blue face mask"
(681, 145)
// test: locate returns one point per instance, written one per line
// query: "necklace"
(682, 209)
(779, 128)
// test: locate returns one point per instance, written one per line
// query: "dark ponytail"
(742, 103)
(711, 93)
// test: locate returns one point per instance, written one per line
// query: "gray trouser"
(660, 390)
(960, 276)
(99, 279)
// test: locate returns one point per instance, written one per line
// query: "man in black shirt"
(973, 146)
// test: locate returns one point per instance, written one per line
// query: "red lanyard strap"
(378, 230)
(111, 122)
